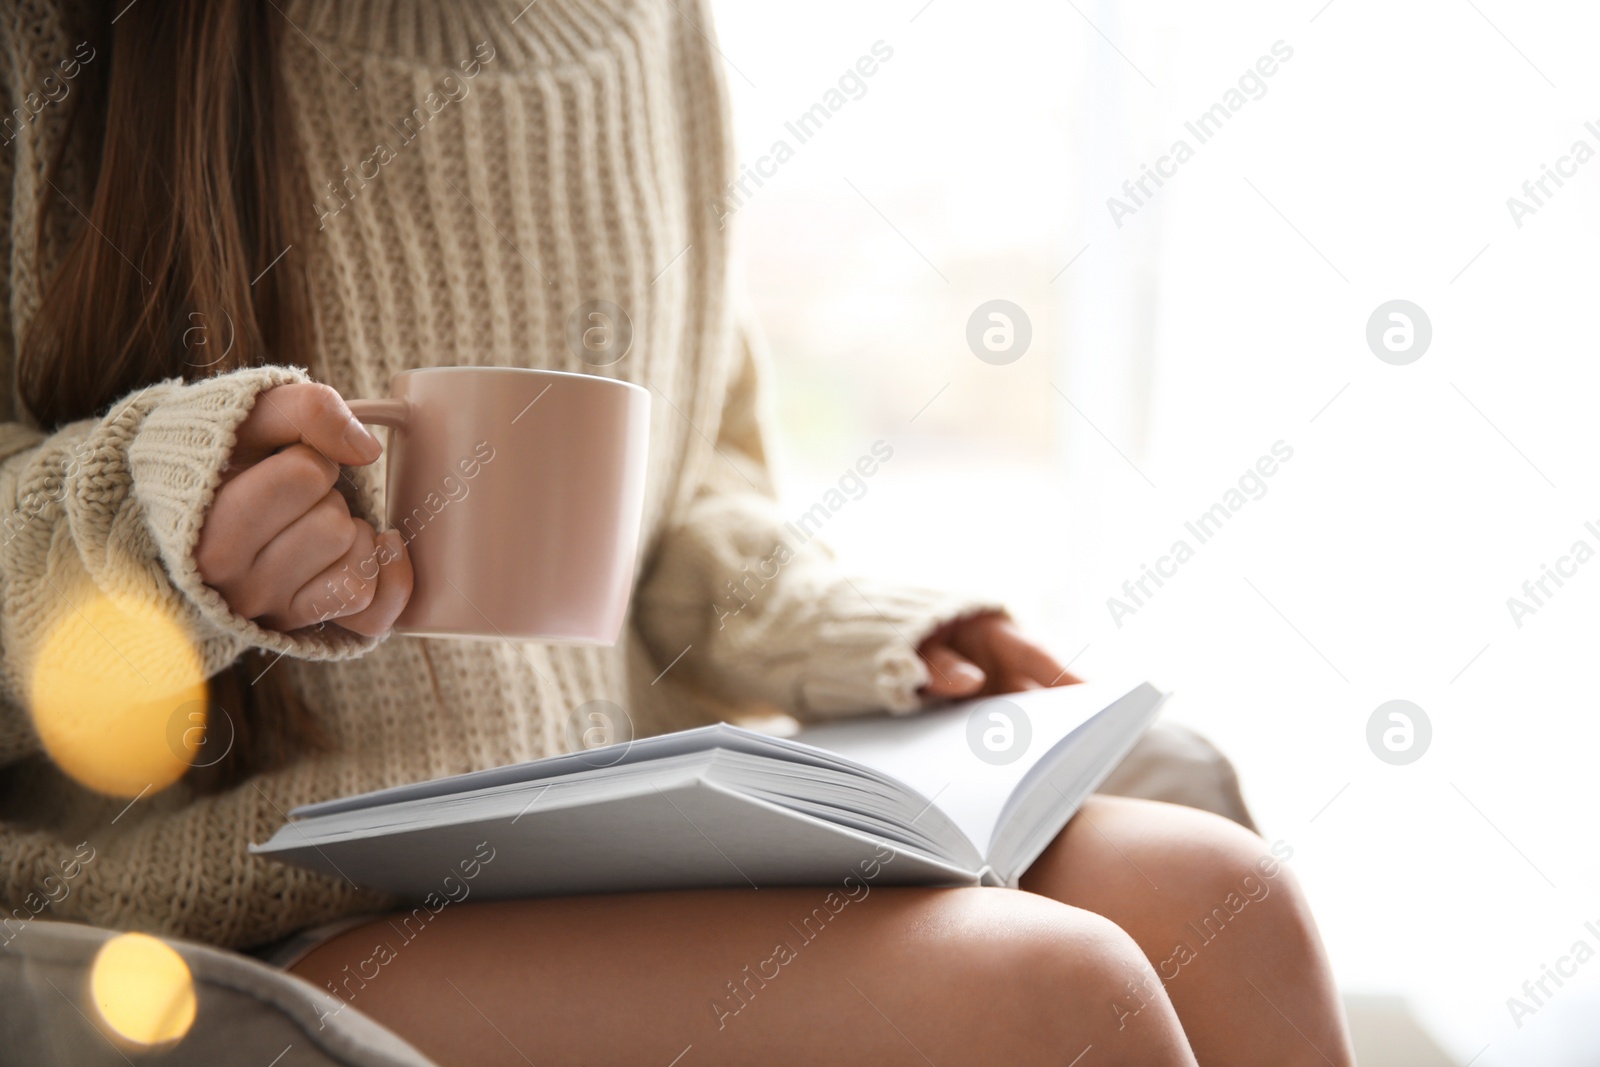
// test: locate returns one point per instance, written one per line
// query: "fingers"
(327, 566)
(950, 674)
(1023, 658)
(345, 587)
(253, 508)
(1011, 662)
(364, 591)
(278, 542)
(310, 545)
(394, 588)
(307, 413)
(263, 584)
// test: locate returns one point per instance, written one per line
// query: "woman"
(215, 207)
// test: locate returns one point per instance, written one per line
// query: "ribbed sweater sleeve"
(762, 612)
(113, 507)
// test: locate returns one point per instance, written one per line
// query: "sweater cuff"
(177, 459)
(863, 658)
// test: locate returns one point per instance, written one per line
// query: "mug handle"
(391, 413)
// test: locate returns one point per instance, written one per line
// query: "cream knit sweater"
(478, 169)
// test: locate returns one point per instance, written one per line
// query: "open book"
(965, 794)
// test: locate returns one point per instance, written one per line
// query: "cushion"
(242, 1008)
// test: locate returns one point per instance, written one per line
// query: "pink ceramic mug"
(519, 494)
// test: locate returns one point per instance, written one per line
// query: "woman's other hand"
(279, 542)
(982, 655)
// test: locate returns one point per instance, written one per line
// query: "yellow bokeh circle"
(104, 689)
(143, 990)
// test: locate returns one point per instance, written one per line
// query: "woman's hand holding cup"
(279, 542)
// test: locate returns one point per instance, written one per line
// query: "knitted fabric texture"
(475, 171)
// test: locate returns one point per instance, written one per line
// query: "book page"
(968, 758)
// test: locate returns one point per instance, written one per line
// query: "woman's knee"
(1226, 866)
(1058, 979)
(1241, 881)
(1216, 878)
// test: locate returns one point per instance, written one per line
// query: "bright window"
(1222, 324)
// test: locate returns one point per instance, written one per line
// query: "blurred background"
(1176, 340)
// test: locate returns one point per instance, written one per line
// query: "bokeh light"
(143, 990)
(104, 689)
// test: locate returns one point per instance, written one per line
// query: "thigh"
(772, 976)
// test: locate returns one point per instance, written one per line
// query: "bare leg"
(1235, 946)
(895, 976)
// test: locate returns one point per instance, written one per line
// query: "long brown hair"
(183, 120)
